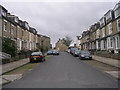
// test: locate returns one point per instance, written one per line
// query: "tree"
(67, 40)
(9, 46)
(44, 49)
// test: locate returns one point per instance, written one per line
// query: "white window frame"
(108, 15)
(118, 28)
(117, 42)
(5, 26)
(102, 45)
(110, 28)
(103, 32)
(97, 46)
(4, 13)
(117, 14)
(12, 29)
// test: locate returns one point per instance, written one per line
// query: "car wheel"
(74, 55)
(41, 60)
(44, 59)
(81, 58)
(31, 61)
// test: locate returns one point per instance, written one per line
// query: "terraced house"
(45, 40)
(105, 34)
(25, 36)
(116, 28)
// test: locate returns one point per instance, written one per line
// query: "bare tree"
(67, 40)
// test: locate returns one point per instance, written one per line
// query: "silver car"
(76, 53)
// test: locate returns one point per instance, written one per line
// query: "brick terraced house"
(25, 36)
(105, 34)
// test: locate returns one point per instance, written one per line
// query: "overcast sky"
(58, 19)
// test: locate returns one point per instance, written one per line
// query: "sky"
(58, 19)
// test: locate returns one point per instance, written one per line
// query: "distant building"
(61, 46)
(78, 42)
(45, 41)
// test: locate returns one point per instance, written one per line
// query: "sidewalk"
(11, 66)
(109, 61)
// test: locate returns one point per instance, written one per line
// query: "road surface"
(64, 71)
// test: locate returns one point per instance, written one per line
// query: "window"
(102, 22)
(12, 29)
(104, 44)
(117, 12)
(110, 28)
(5, 25)
(103, 32)
(3, 13)
(111, 42)
(27, 26)
(108, 42)
(108, 15)
(16, 19)
(22, 33)
(117, 42)
(118, 24)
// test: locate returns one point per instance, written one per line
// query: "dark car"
(85, 55)
(55, 52)
(50, 52)
(76, 53)
(37, 56)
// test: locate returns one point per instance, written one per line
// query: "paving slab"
(9, 78)
(113, 73)
(4, 81)
(12, 77)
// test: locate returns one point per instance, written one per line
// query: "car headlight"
(90, 55)
(82, 55)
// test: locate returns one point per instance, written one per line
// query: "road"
(64, 71)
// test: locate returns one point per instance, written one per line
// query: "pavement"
(13, 65)
(9, 67)
(64, 71)
(109, 61)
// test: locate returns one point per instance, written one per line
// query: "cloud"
(58, 19)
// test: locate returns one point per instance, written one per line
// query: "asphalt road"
(64, 71)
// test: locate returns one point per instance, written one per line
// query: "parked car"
(55, 52)
(50, 52)
(85, 55)
(4, 56)
(72, 50)
(68, 50)
(37, 56)
(76, 53)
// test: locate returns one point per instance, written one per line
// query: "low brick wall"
(16, 58)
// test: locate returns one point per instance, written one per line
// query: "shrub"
(9, 46)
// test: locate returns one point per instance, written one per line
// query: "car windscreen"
(36, 53)
(77, 51)
(55, 50)
(49, 51)
(85, 52)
